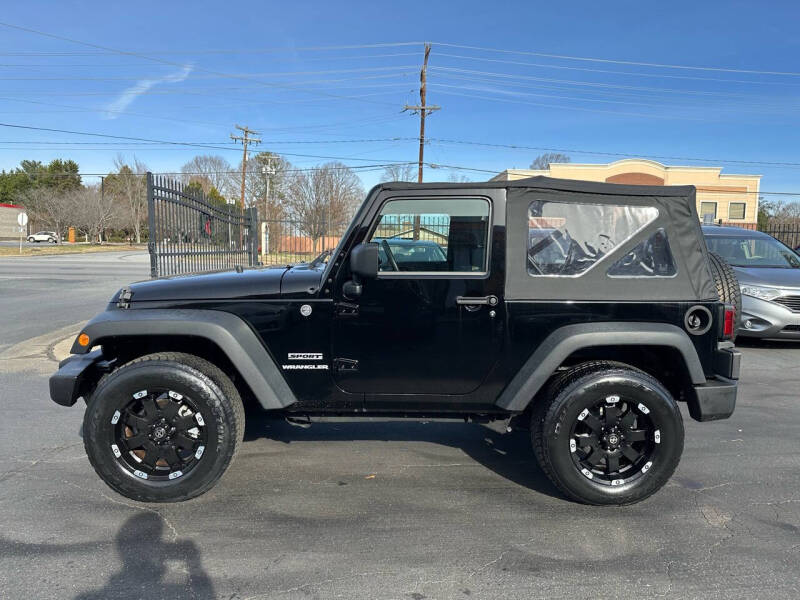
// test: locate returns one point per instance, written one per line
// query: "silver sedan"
(769, 277)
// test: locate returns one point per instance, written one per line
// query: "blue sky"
(250, 63)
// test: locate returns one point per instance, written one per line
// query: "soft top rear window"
(568, 239)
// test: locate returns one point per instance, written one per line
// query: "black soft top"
(551, 183)
(677, 217)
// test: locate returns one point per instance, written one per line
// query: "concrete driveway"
(384, 509)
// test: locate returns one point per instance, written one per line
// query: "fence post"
(252, 226)
(151, 225)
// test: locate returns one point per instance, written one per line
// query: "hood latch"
(124, 300)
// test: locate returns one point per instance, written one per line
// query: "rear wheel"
(607, 433)
(727, 285)
(164, 427)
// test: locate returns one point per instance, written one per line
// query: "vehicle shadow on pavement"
(146, 559)
(509, 455)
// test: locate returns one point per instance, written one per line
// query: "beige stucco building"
(9, 229)
(732, 199)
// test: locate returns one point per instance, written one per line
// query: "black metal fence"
(191, 234)
(788, 233)
(296, 240)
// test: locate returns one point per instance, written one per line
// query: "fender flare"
(566, 340)
(230, 333)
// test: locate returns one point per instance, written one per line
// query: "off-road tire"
(728, 288)
(191, 375)
(573, 390)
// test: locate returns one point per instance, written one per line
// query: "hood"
(263, 283)
(778, 278)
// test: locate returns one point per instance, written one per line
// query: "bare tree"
(265, 171)
(543, 161)
(128, 188)
(211, 171)
(49, 206)
(456, 177)
(399, 172)
(92, 211)
(323, 200)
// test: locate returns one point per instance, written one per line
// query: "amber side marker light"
(83, 339)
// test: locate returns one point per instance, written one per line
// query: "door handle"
(486, 300)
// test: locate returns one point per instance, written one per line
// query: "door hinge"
(346, 309)
(347, 365)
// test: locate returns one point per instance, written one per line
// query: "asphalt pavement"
(370, 509)
(43, 293)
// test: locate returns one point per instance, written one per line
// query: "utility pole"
(245, 139)
(423, 110)
(266, 171)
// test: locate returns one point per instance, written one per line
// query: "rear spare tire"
(728, 288)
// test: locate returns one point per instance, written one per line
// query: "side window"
(650, 258)
(433, 235)
(568, 239)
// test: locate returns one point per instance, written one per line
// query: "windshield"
(754, 252)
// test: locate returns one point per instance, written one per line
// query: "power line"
(174, 64)
(592, 84)
(621, 62)
(209, 51)
(609, 72)
(223, 75)
(563, 107)
(620, 154)
(172, 143)
(127, 65)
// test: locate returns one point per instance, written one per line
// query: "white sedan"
(43, 236)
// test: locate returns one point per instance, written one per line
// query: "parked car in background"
(769, 277)
(43, 236)
(412, 255)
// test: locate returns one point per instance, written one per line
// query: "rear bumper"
(716, 398)
(69, 382)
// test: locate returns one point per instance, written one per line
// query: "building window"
(708, 208)
(736, 210)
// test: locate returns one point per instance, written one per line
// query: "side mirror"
(364, 261)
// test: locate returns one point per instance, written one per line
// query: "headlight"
(764, 293)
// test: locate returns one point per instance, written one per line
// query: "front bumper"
(74, 376)
(768, 320)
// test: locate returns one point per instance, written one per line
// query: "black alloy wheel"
(163, 427)
(614, 442)
(607, 433)
(160, 435)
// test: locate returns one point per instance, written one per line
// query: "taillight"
(727, 327)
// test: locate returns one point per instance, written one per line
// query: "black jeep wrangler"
(583, 312)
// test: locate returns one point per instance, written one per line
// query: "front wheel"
(164, 427)
(607, 433)
(31, 240)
